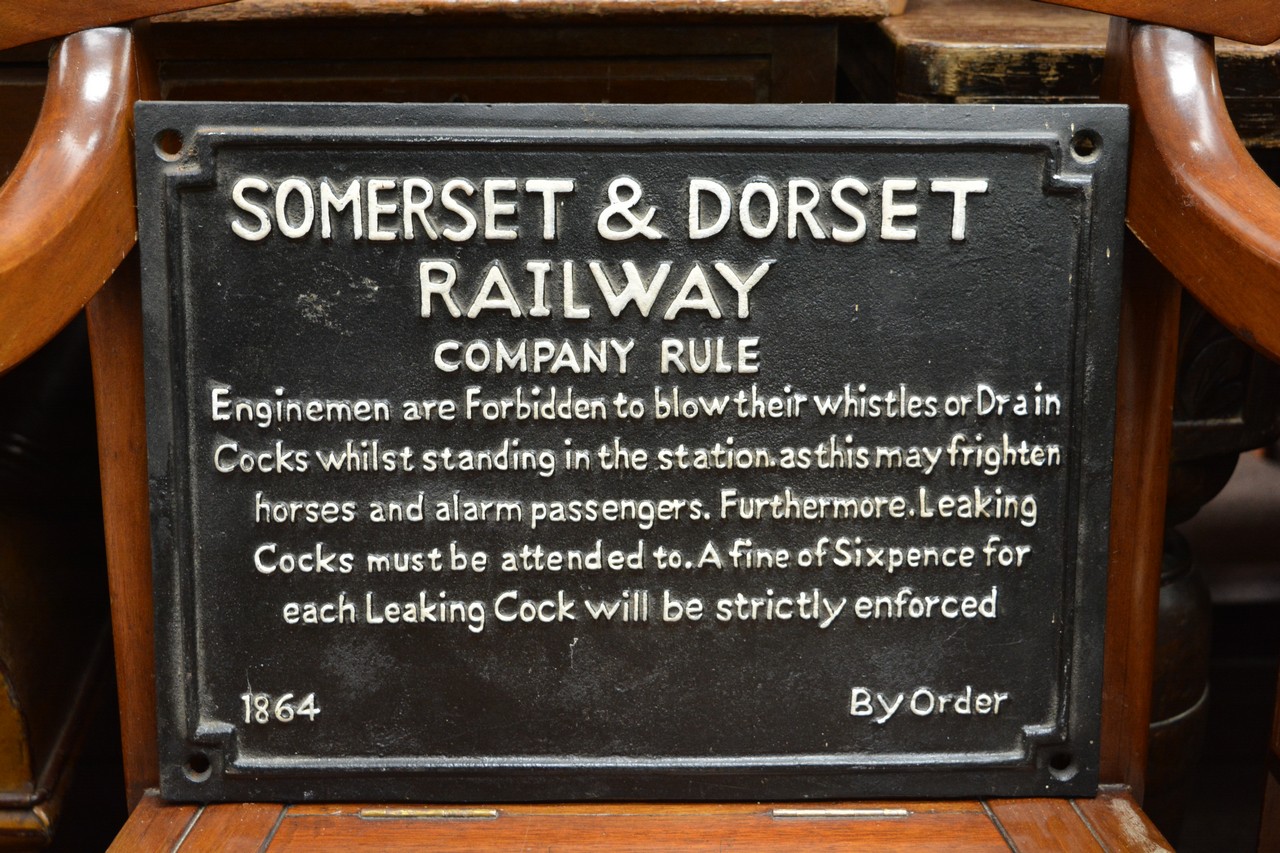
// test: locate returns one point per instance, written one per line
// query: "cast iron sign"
(522, 453)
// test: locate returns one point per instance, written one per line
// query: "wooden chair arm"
(67, 211)
(1197, 199)
(1251, 21)
(22, 21)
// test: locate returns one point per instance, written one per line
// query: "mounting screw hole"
(1062, 766)
(1086, 146)
(197, 768)
(169, 144)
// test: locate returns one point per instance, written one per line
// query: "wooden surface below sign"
(1111, 821)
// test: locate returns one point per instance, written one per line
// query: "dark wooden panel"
(379, 40)
(804, 66)
(727, 80)
(52, 623)
(416, 60)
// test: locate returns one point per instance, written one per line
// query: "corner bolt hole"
(1062, 766)
(197, 768)
(1086, 146)
(169, 144)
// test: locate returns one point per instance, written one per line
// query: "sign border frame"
(231, 775)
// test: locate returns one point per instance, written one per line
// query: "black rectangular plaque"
(547, 452)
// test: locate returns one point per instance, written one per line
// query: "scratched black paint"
(662, 711)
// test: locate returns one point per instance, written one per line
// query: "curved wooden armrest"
(1251, 21)
(67, 211)
(1197, 200)
(22, 21)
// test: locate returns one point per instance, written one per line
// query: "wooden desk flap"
(1110, 822)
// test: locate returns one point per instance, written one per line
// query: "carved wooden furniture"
(56, 256)
(1192, 174)
(1225, 397)
(1197, 199)
(54, 618)
(54, 629)
(229, 53)
(22, 23)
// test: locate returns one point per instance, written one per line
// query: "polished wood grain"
(1119, 824)
(245, 10)
(25, 829)
(1111, 822)
(1044, 826)
(233, 826)
(114, 319)
(1252, 21)
(22, 21)
(1147, 365)
(115, 342)
(1145, 379)
(1197, 199)
(787, 810)
(154, 827)
(66, 212)
(689, 829)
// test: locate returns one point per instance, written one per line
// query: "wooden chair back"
(100, 222)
